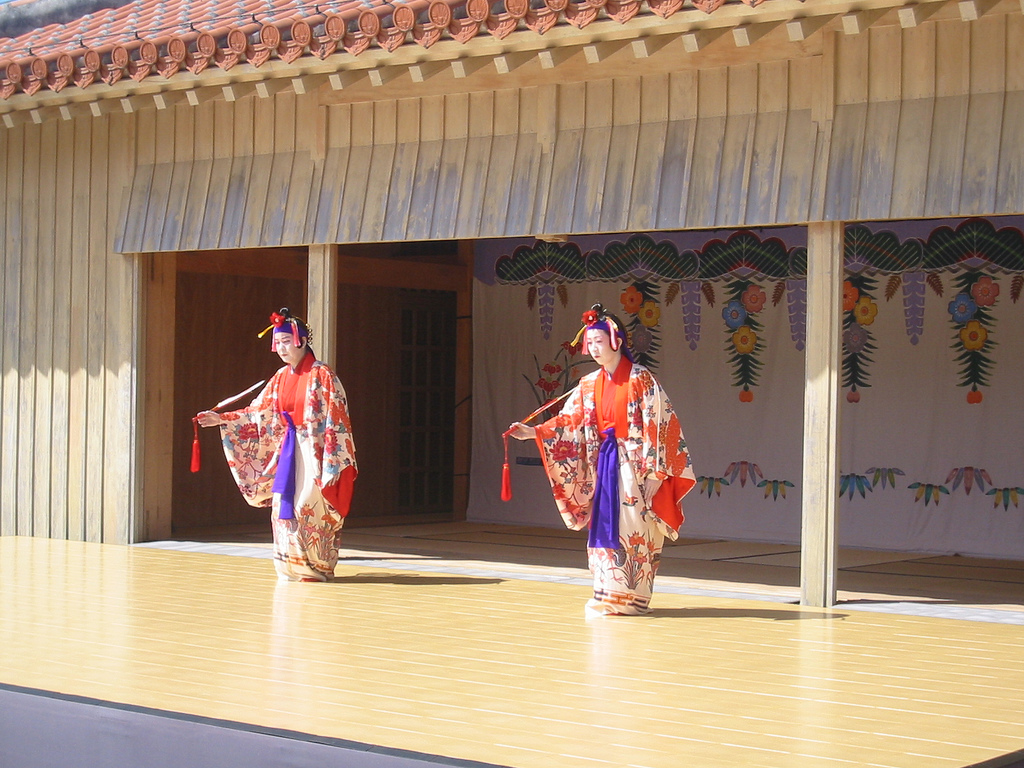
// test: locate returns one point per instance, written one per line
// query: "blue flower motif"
(735, 315)
(962, 308)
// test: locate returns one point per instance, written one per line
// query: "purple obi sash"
(284, 477)
(604, 510)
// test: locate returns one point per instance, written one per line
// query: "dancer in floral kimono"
(292, 450)
(618, 463)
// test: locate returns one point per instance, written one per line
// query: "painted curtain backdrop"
(933, 334)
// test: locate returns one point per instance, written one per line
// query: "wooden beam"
(307, 83)
(286, 264)
(856, 22)
(197, 96)
(552, 57)
(506, 62)
(322, 301)
(235, 91)
(802, 28)
(972, 10)
(104, 107)
(15, 118)
(132, 104)
(598, 52)
(698, 39)
(271, 86)
(342, 80)
(822, 365)
(380, 76)
(747, 34)
(913, 15)
(645, 47)
(166, 99)
(422, 71)
(396, 273)
(467, 66)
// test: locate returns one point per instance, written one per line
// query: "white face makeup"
(599, 347)
(286, 349)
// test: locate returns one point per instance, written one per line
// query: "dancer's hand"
(209, 419)
(520, 431)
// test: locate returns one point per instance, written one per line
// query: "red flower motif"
(563, 450)
(277, 320)
(985, 291)
(248, 432)
(547, 385)
(753, 299)
(589, 317)
(637, 541)
(571, 348)
(552, 369)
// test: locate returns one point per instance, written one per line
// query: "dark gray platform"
(41, 729)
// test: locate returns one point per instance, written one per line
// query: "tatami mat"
(506, 671)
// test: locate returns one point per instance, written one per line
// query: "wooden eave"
(604, 47)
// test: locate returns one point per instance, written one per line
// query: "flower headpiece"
(600, 319)
(283, 321)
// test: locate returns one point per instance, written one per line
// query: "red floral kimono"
(654, 474)
(305, 546)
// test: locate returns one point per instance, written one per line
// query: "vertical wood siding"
(68, 381)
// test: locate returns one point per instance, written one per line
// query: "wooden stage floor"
(436, 644)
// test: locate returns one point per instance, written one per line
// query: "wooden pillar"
(463, 382)
(157, 434)
(322, 301)
(820, 498)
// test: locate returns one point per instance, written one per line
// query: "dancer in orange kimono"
(292, 450)
(618, 464)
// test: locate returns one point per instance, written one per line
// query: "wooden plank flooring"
(506, 670)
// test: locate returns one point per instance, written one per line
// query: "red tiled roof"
(164, 37)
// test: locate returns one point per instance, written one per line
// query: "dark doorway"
(219, 310)
(396, 359)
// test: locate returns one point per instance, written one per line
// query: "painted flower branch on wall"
(970, 314)
(556, 376)
(859, 312)
(744, 334)
(643, 314)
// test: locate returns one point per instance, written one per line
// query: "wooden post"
(322, 301)
(463, 382)
(820, 498)
(157, 433)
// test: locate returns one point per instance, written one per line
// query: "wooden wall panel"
(42, 331)
(984, 128)
(1010, 179)
(78, 357)
(10, 284)
(27, 320)
(62, 330)
(946, 156)
(912, 149)
(878, 163)
(121, 448)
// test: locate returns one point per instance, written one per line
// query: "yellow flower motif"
(744, 340)
(649, 314)
(973, 335)
(865, 310)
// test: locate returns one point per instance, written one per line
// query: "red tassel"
(506, 483)
(196, 460)
(506, 475)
